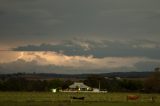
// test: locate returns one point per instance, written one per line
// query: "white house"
(77, 86)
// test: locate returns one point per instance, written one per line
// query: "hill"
(50, 76)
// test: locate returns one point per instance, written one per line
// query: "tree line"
(22, 84)
(150, 84)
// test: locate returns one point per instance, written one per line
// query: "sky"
(79, 36)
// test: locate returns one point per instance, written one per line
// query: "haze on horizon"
(79, 36)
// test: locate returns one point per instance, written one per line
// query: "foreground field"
(79, 104)
(63, 99)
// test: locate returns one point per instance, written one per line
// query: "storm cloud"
(52, 62)
(69, 35)
(41, 20)
(100, 49)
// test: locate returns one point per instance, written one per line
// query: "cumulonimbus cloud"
(56, 62)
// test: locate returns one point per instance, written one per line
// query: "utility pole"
(99, 85)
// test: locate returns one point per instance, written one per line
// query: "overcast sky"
(79, 36)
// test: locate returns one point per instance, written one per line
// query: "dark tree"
(152, 83)
(66, 84)
(96, 81)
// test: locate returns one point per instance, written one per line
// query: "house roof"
(80, 85)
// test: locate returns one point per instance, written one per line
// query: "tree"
(131, 85)
(96, 81)
(55, 83)
(152, 83)
(66, 84)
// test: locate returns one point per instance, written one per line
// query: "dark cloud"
(32, 66)
(39, 19)
(104, 48)
(147, 66)
(2, 13)
(24, 22)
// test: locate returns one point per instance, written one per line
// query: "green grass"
(63, 99)
(78, 104)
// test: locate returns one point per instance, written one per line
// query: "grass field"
(79, 104)
(63, 99)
